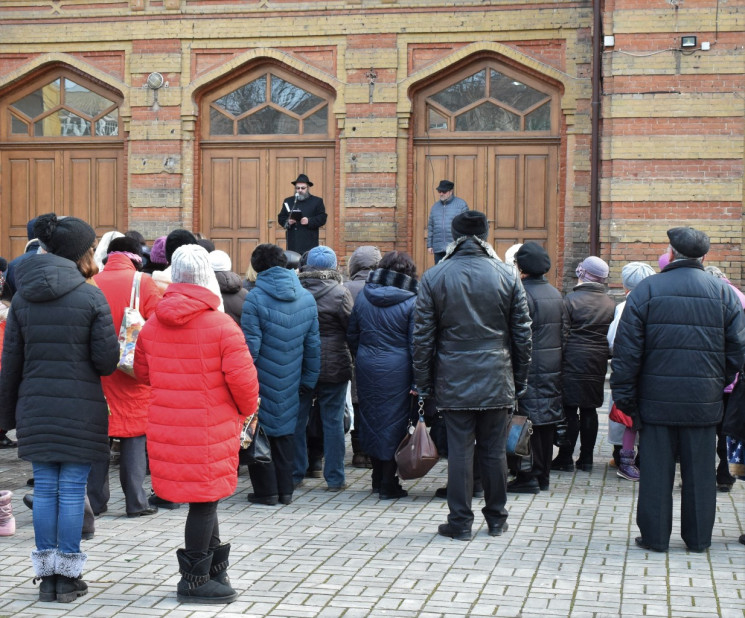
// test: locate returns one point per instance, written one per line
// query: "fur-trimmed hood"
(394, 279)
(453, 247)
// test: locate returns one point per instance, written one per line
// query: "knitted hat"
(532, 259)
(158, 252)
(593, 269)
(220, 261)
(68, 237)
(634, 272)
(176, 239)
(322, 258)
(191, 264)
(445, 185)
(690, 242)
(470, 223)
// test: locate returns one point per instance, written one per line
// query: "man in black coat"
(472, 353)
(302, 215)
(680, 341)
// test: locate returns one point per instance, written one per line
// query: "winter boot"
(196, 586)
(219, 566)
(627, 470)
(69, 568)
(43, 562)
(7, 521)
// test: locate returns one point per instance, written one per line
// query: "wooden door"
(243, 188)
(84, 182)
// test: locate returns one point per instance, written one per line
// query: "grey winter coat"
(233, 293)
(472, 330)
(59, 341)
(440, 223)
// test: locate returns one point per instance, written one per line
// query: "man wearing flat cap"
(472, 354)
(441, 215)
(680, 341)
(302, 215)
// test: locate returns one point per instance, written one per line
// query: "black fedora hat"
(302, 178)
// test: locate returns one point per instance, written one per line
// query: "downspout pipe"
(597, 37)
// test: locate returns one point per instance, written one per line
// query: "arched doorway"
(61, 150)
(258, 132)
(494, 132)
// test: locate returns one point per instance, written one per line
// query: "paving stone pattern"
(568, 552)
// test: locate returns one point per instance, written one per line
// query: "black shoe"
(265, 500)
(561, 465)
(543, 486)
(154, 500)
(454, 533)
(524, 486)
(6, 442)
(151, 510)
(644, 545)
(103, 510)
(724, 487)
(585, 466)
(441, 492)
(28, 500)
(70, 588)
(87, 536)
(315, 469)
(695, 550)
(285, 498)
(47, 587)
(741, 539)
(394, 494)
(478, 493)
(30, 482)
(498, 529)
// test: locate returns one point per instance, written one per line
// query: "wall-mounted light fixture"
(687, 42)
(155, 82)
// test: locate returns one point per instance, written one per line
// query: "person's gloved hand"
(520, 390)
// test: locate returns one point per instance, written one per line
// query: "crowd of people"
(296, 342)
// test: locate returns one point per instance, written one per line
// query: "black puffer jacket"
(590, 312)
(334, 308)
(472, 330)
(233, 293)
(680, 341)
(59, 341)
(542, 402)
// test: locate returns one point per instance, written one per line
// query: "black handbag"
(260, 450)
(733, 424)
(519, 430)
(561, 434)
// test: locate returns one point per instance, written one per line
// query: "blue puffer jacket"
(380, 334)
(280, 323)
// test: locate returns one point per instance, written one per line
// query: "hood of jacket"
(363, 258)
(320, 282)
(280, 283)
(471, 243)
(183, 302)
(385, 288)
(229, 282)
(44, 277)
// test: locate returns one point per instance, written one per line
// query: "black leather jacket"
(472, 331)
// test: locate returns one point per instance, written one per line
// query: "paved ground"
(568, 552)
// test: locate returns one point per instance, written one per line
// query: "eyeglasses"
(442, 192)
(301, 187)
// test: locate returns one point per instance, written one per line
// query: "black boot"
(588, 433)
(390, 488)
(196, 586)
(43, 562)
(219, 566)
(69, 568)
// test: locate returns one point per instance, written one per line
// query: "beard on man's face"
(301, 197)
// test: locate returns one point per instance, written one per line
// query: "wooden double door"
(84, 182)
(243, 188)
(514, 184)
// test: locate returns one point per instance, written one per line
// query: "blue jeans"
(59, 502)
(331, 399)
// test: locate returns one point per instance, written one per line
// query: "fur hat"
(125, 244)
(68, 237)
(532, 259)
(176, 239)
(220, 261)
(634, 272)
(158, 252)
(444, 186)
(470, 223)
(593, 269)
(689, 241)
(266, 256)
(191, 264)
(322, 258)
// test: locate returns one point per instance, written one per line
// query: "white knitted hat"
(220, 261)
(191, 264)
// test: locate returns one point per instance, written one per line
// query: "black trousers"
(275, 478)
(582, 423)
(384, 475)
(201, 532)
(542, 449)
(658, 447)
(132, 472)
(487, 429)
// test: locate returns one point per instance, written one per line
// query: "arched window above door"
(487, 98)
(268, 103)
(61, 106)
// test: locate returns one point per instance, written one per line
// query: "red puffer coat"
(128, 399)
(203, 386)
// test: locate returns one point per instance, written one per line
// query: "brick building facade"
(155, 114)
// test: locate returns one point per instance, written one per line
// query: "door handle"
(270, 222)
